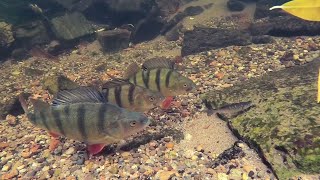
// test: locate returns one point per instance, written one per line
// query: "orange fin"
(95, 148)
(167, 102)
(55, 135)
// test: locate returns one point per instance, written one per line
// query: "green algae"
(284, 125)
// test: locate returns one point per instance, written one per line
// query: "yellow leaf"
(304, 9)
(318, 98)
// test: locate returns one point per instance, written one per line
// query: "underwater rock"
(203, 38)
(235, 5)
(12, 107)
(71, 26)
(193, 10)
(114, 40)
(30, 34)
(279, 23)
(6, 39)
(147, 29)
(54, 47)
(19, 54)
(235, 152)
(284, 125)
(6, 35)
(174, 33)
(285, 26)
(75, 5)
(173, 22)
(56, 83)
(167, 7)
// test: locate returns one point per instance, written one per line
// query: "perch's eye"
(133, 123)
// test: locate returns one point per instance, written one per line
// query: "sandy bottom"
(210, 132)
(213, 134)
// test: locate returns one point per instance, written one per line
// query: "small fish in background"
(82, 114)
(160, 76)
(229, 111)
(35, 8)
(129, 96)
(304, 9)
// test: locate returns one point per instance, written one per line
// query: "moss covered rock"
(56, 83)
(6, 35)
(284, 125)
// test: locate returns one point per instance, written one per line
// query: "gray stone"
(71, 26)
(30, 34)
(283, 126)
(203, 39)
(114, 40)
(235, 5)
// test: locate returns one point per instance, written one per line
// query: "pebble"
(13, 173)
(3, 145)
(153, 152)
(248, 168)
(167, 139)
(169, 145)
(223, 176)
(164, 175)
(6, 168)
(70, 151)
(125, 155)
(200, 148)
(80, 160)
(58, 151)
(251, 174)
(113, 169)
(12, 120)
(26, 153)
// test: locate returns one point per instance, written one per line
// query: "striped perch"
(82, 114)
(129, 96)
(159, 75)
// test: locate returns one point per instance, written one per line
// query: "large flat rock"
(71, 26)
(284, 125)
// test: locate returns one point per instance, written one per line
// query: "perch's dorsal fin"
(114, 83)
(132, 69)
(78, 95)
(156, 63)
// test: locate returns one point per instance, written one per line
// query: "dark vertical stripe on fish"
(66, 111)
(56, 116)
(101, 119)
(158, 79)
(44, 120)
(106, 94)
(145, 77)
(168, 78)
(135, 79)
(81, 122)
(130, 94)
(117, 93)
